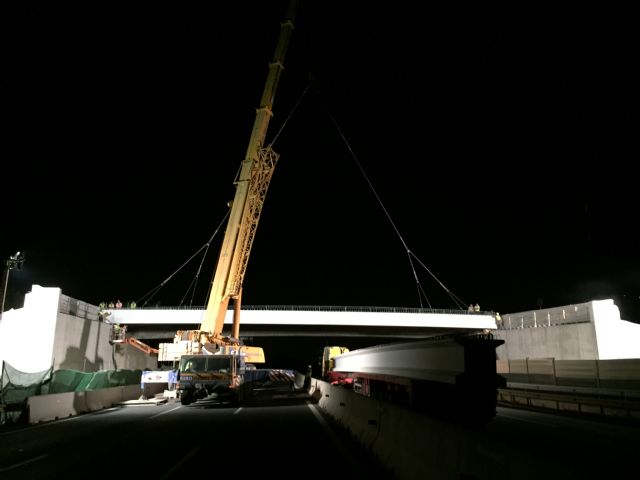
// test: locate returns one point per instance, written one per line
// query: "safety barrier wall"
(416, 446)
(411, 445)
(44, 408)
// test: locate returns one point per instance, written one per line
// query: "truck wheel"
(186, 397)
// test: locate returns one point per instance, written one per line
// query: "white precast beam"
(435, 360)
(309, 318)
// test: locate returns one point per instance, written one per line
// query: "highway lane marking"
(177, 466)
(104, 410)
(237, 411)
(56, 421)
(26, 462)
(41, 425)
(162, 413)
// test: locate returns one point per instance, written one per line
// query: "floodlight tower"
(14, 262)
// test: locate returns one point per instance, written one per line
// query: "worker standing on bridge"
(470, 309)
(476, 308)
(118, 304)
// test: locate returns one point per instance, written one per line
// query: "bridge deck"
(318, 316)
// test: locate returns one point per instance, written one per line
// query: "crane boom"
(251, 184)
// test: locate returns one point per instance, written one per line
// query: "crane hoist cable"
(410, 254)
(204, 247)
(289, 116)
(452, 295)
(204, 255)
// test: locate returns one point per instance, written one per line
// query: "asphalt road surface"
(296, 440)
(175, 441)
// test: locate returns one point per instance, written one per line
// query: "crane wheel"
(186, 397)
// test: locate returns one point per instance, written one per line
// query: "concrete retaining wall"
(44, 408)
(83, 344)
(414, 446)
(69, 336)
(566, 342)
(586, 331)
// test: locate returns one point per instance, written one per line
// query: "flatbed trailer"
(452, 376)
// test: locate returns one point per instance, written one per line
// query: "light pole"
(14, 261)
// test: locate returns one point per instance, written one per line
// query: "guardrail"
(565, 399)
(601, 387)
(325, 308)
(618, 374)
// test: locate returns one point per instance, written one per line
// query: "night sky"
(501, 143)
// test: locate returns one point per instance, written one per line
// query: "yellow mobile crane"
(225, 366)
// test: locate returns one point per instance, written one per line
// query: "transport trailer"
(452, 376)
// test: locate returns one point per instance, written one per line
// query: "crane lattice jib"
(258, 186)
(251, 188)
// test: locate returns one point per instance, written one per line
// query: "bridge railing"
(546, 318)
(329, 308)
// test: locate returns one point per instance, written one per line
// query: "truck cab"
(328, 354)
(201, 375)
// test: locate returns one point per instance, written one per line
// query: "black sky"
(501, 142)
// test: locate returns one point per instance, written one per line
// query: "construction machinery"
(118, 335)
(451, 376)
(226, 372)
(329, 374)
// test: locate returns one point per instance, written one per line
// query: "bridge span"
(309, 321)
(68, 333)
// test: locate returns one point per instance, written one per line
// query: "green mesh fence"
(17, 386)
(76, 381)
